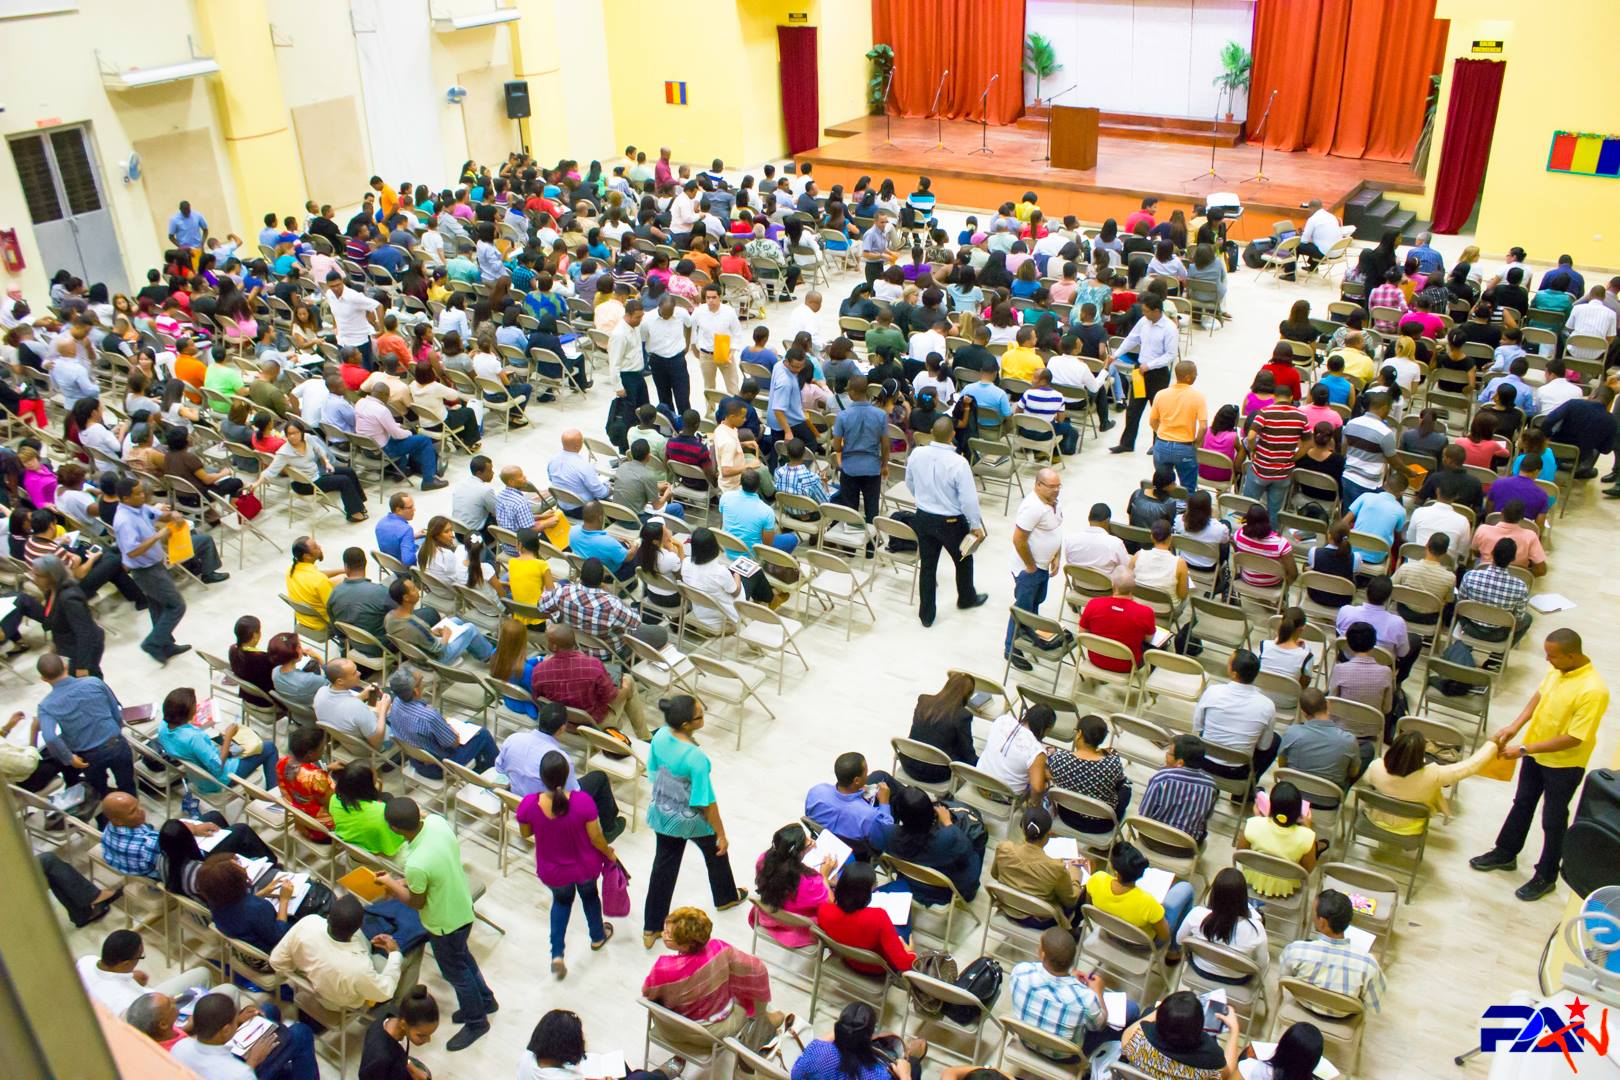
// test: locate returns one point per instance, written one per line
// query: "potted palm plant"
(1236, 66)
(1040, 60)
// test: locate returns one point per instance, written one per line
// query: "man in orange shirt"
(386, 199)
(188, 366)
(1529, 552)
(1178, 417)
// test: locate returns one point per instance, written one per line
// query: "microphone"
(947, 72)
(996, 76)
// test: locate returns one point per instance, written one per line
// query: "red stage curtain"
(801, 115)
(1476, 90)
(1352, 76)
(973, 39)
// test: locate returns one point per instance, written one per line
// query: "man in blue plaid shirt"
(1492, 583)
(1329, 960)
(130, 844)
(796, 477)
(1046, 994)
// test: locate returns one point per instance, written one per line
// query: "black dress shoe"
(1106, 425)
(976, 600)
(1611, 477)
(926, 620)
(215, 578)
(1493, 860)
(1018, 662)
(1535, 888)
(160, 655)
(1120, 449)
(1587, 473)
(176, 650)
(467, 1036)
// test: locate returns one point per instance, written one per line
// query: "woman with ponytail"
(857, 1052)
(1287, 655)
(569, 853)
(1023, 864)
(1279, 832)
(783, 883)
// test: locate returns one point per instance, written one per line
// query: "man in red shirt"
(580, 681)
(1273, 444)
(1283, 371)
(1119, 618)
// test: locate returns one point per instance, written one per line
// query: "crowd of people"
(1382, 495)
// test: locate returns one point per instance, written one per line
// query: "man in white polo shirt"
(355, 315)
(1037, 542)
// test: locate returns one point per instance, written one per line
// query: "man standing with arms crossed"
(1037, 543)
(1153, 341)
(941, 480)
(1563, 716)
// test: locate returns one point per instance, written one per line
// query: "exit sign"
(798, 16)
(1492, 46)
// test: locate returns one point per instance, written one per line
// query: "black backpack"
(1461, 655)
(1592, 844)
(896, 544)
(982, 979)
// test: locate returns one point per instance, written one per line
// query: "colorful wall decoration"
(674, 93)
(1584, 154)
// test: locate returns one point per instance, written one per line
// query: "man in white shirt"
(1093, 546)
(115, 979)
(924, 342)
(472, 503)
(1237, 717)
(683, 213)
(337, 960)
(806, 319)
(1037, 543)
(311, 394)
(627, 359)
(355, 316)
(1439, 516)
(1321, 232)
(711, 318)
(1075, 372)
(667, 333)
(214, 1023)
(1557, 389)
(1154, 341)
(1592, 317)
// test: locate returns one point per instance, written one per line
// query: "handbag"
(247, 505)
(615, 890)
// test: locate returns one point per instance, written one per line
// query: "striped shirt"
(1277, 431)
(1059, 1005)
(423, 726)
(1181, 798)
(1274, 546)
(1334, 964)
(1042, 401)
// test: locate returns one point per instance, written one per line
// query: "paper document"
(1063, 847)
(1114, 1002)
(300, 889)
(1548, 602)
(258, 870)
(250, 1033)
(466, 731)
(1156, 882)
(896, 904)
(603, 1065)
(1359, 939)
(362, 882)
(827, 845)
(212, 840)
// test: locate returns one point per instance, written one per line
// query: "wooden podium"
(1074, 137)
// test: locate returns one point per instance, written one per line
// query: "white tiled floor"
(1463, 944)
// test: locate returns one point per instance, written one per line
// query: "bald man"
(581, 681)
(941, 481)
(515, 506)
(130, 843)
(573, 472)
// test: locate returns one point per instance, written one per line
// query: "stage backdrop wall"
(1140, 56)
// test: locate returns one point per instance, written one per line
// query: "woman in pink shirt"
(783, 883)
(1222, 437)
(569, 853)
(1319, 411)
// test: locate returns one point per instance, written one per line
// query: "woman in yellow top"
(1115, 892)
(1403, 773)
(1281, 834)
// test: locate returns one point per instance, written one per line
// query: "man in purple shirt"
(1390, 627)
(1521, 486)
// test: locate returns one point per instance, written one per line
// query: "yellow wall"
(1555, 79)
(846, 34)
(642, 57)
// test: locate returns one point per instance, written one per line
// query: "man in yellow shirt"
(1178, 417)
(1563, 716)
(308, 584)
(528, 575)
(386, 199)
(1021, 361)
(1357, 364)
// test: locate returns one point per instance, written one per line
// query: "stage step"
(1373, 213)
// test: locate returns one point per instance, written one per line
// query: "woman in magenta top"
(850, 919)
(569, 853)
(783, 883)
(1222, 437)
(1318, 411)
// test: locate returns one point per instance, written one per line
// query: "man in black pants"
(1153, 341)
(860, 439)
(941, 480)
(1563, 717)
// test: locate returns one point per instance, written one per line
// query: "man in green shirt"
(264, 392)
(462, 267)
(223, 377)
(884, 339)
(435, 884)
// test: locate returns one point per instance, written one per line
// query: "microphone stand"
(1260, 176)
(888, 117)
(984, 118)
(1214, 139)
(1051, 98)
(939, 138)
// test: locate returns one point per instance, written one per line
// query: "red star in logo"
(1577, 1009)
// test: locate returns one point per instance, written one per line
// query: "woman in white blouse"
(706, 571)
(441, 554)
(1288, 655)
(660, 552)
(1226, 919)
(462, 415)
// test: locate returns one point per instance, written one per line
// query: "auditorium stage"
(1127, 169)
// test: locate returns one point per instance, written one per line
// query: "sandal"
(559, 969)
(607, 935)
(742, 894)
(649, 939)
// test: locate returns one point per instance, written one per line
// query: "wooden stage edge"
(1127, 170)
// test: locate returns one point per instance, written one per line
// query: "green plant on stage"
(1040, 60)
(882, 58)
(1236, 67)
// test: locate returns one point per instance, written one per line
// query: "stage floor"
(1127, 169)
